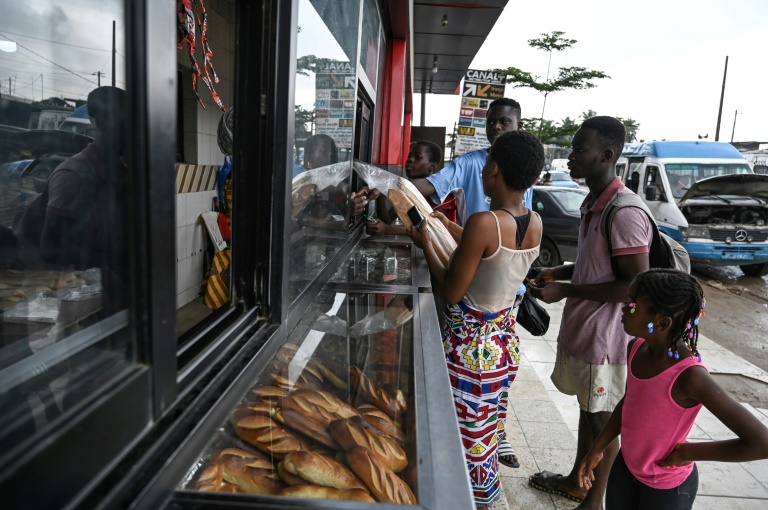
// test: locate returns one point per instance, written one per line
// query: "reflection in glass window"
(370, 43)
(326, 85)
(63, 209)
(684, 175)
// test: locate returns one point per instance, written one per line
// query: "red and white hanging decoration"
(187, 29)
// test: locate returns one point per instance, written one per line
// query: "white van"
(705, 196)
(559, 165)
(758, 161)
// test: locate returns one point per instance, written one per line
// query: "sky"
(75, 34)
(665, 59)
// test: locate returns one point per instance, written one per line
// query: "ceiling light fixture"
(434, 66)
(444, 22)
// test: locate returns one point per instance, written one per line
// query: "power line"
(51, 61)
(57, 42)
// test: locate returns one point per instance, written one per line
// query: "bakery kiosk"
(185, 330)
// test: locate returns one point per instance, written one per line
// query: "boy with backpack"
(592, 344)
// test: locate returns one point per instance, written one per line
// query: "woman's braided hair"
(678, 295)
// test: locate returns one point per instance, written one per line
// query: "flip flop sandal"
(505, 450)
(558, 492)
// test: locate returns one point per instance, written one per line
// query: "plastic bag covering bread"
(405, 197)
(305, 185)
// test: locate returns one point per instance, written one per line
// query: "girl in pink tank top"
(666, 387)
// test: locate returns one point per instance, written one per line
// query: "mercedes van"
(705, 196)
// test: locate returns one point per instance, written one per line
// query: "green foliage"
(550, 132)
(631, 126)
(302, 117)
(567, 78)
(309, 64)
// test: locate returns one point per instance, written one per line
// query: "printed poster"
(335, 102)
(480, 88)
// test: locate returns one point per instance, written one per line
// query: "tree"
(309, 64)
(631, 126)
(550, 132)
(587, 115)
(302, 117)
(576, 78)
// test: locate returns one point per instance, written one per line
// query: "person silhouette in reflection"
(84, 222)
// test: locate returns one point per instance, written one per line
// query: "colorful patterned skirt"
(483, 353)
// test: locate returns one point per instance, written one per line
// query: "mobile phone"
(532, 272)
(415, 216)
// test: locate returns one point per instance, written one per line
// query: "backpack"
(665, 252)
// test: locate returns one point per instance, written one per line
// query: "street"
(737, 319)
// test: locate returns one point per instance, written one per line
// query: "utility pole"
(722, 95)
(98, 74)
(114, 50)
(734, 124)
(42, 93)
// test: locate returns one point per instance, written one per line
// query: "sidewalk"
(542, 424)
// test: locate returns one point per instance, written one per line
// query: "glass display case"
(375, 262)
(331, 416)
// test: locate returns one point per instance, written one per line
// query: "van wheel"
(548, 254)
(751, 269)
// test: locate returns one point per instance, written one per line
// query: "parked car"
(560, 217)
(561, 179)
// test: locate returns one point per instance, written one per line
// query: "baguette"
(323, 403)
(304, 425)
(377, 419)
(210, 479)
(384, 484)
(262, 432)
(288, 477)
(335, 380)
(350, 434)
(321, 470)
(405, 197)
(269, 393)
(255, 475)
(373, 393)
(317, 492)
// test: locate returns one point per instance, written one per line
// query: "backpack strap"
(606, 222)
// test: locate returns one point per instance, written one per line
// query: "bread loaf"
(405, 197)
(318, 492)
(373, 393)
(210, 479)
(321, 470)
(350, 434)
(288, 477)
(374, 417)
(269, 393)
(304, 425)
(321, 405)
(266, 435)
(384, 484)
(330, 376)
(255, 475)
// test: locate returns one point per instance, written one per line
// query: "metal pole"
(423, 107)
(734, 124)
(42, 94)
(722, 95)
(114, 50)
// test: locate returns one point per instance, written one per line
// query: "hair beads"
(632, 307)
(679, 296)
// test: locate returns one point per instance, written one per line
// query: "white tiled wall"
(191, 243)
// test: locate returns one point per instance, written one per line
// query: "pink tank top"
(652, 423)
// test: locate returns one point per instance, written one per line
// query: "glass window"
(684, 175)
(204, 176)
(64, 210)
(370, 43)
(569, 200)
(325, 97)
(343, 378)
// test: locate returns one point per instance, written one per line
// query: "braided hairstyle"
(678, 295)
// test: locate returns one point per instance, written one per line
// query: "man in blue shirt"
(465, 172)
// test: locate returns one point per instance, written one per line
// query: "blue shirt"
(466, 173)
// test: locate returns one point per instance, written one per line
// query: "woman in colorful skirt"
(495, 250)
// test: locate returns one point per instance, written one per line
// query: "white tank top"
(499, 275)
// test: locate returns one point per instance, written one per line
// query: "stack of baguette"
(405, 196)
(310, 443)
